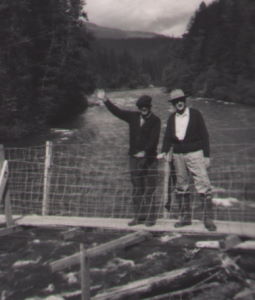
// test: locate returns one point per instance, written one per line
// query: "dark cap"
(144, 101)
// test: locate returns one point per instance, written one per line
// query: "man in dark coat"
(187, 134)
(144, 132)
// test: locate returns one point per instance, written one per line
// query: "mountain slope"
(129, 59)
(101, 32)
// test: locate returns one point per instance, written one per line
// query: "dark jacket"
(196, 137)
(141, 138)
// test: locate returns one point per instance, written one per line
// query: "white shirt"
(142, 121)
(181, 124)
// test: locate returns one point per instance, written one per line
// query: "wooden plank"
(120, 243)
(9, 230)
(243, 229)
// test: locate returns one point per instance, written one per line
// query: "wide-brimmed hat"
(144, 101)
(176, 94)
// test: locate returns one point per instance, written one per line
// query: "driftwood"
(163, 283)
(247, 245)
(247, 293)
(185, 291)
(120, 243)
(231, 242)
(9, 230)
(177, 282)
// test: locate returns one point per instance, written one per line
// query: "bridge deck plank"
(165, 225)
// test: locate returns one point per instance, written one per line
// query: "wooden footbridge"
(48, 186)
(246, 229)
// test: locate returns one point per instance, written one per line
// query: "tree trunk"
(163, 283)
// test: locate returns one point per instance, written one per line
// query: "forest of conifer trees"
(43, 64)
(131, 63)
(218, 53)
(50, 62)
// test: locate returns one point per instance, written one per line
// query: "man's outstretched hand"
(161, 155)
(101, 95)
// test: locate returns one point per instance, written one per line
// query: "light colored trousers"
(193, 164)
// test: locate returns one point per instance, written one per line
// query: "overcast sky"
(169, 17)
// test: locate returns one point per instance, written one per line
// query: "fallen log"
(242, 246)
(230, 242)
(163, 283)
(246, 293)
(9, 230)
(185, 291)
(125, 241)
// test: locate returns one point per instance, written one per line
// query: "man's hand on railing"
(140, 154)
(161, 155)
(166, 156)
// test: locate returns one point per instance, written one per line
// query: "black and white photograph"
(127, 150)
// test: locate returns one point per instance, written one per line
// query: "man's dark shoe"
(135, 222)
(149, 223)
(182, 223)
(210, 226)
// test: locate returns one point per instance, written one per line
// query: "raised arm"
(115, 110)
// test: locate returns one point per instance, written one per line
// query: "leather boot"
(208, 212)
(185, 211)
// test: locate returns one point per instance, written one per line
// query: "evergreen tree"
(219, 49)
(43, 60)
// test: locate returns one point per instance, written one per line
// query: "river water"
(227, 123)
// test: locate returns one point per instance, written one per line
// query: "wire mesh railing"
(90, 181)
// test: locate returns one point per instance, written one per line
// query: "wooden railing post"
(167, 172)
(165, 187)
(4, 191)
(47, 178)
(85, 276)
(2, 157)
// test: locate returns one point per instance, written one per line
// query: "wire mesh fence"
(91, 181)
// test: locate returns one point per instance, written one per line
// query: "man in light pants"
(186, 132)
